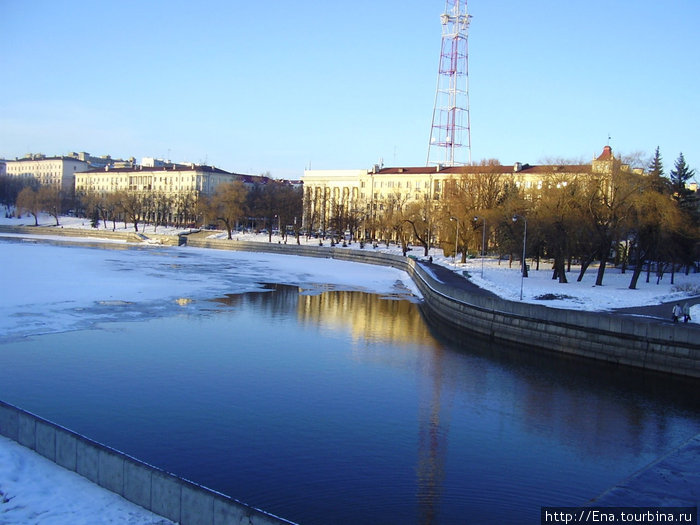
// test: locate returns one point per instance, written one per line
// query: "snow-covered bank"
(34, 490)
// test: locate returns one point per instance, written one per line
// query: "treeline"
(233, 205)
(646, 222)
(272, 205)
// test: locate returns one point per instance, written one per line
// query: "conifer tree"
(680, 174)
(658, 182)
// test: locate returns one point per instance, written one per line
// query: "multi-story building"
(54, 171)
(366, 191)
(176, 180)
(167, 193)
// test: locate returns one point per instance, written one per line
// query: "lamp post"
(522, 274)
(454, 258)
(483, 242)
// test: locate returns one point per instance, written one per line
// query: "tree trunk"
(584, 266)
(635, 277)
(604, 255)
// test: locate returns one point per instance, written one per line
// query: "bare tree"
(28, 202)
(228, 204)
(50, 198)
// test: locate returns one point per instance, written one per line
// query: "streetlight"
(454, 258)
(522, 274)
(483, 243)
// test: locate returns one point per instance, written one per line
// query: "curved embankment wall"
(619, 339)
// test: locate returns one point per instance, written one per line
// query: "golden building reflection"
(368, 317)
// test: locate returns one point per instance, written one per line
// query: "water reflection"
(367, 317)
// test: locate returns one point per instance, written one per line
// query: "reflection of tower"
(450, 132)
(432, 444)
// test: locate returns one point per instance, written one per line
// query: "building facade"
(361, 193)
(178, 180)
(48, 171)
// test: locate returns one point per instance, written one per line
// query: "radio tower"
(450, 133)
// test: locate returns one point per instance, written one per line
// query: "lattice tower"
(450, 134)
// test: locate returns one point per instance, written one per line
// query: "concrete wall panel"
(166, 495)
(9, 422)
(137, 483)
(197, 506)
(88, 460)
(66, 449)
(46, 440)
(111, 471)
(27, 431)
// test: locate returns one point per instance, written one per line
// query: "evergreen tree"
(680, 174)
(658, 182)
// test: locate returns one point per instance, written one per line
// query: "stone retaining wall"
(154, 489)
(72, 232)
(618, 339)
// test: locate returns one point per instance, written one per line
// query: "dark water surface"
(344, 407)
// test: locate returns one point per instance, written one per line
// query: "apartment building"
(54, 171)
(174, 180)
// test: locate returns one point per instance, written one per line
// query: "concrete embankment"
(154, 489)
(613, 338)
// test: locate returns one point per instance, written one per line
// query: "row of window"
(402, 184)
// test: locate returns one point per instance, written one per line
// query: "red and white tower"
(450, 139)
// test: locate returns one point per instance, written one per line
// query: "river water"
(345, 407)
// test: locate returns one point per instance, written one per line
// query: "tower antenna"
(450, 133)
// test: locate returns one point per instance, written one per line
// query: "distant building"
(152, 162)
(177, 180)
(167, 193)
(364, 193)
(102, 161)
(54, 171)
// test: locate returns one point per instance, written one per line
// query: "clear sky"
(280, 86)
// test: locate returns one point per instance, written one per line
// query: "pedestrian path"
(650, 314)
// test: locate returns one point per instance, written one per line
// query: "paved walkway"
(653, 313)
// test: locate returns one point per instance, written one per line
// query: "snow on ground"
(49, 288)
(34, 490)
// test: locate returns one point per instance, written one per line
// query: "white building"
(177, 180)
(55, 171)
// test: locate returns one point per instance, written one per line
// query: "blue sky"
(279, 86)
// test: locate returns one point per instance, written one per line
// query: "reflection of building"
(359, 193)
(54, 171)
(367, 316)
